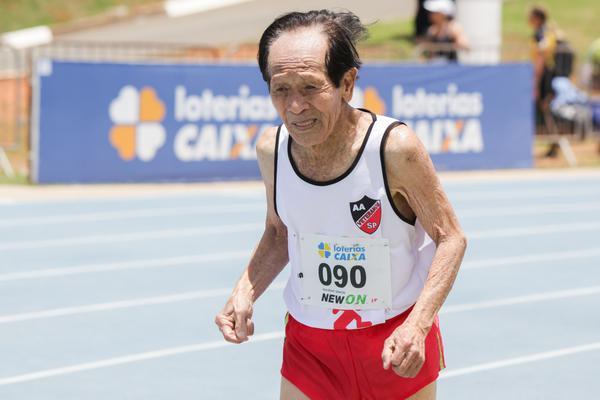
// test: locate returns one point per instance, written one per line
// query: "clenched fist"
(404, 350)
(235, 320)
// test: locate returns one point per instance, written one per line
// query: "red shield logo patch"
(366, 213)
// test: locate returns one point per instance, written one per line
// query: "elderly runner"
(355, 207)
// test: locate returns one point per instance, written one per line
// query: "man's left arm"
(411, 174)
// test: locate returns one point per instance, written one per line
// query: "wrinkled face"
(305, 98)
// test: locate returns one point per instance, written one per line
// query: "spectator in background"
(571, 105)
(542, 54)
(421, 21)
(445, 36)
(591, 77)
(592, 64)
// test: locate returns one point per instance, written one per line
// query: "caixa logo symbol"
(137, 130)
(324, 250)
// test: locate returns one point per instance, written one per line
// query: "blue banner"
(129, 123)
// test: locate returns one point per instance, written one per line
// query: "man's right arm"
(268, 259)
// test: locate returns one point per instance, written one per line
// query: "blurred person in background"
(571, 105)
(543, 52)
(593, 80)
(445, 36)
(421, 21)
(590, 70)
(594, 61)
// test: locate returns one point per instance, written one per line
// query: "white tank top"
(309, 207)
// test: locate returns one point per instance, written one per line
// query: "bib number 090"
(358, 275)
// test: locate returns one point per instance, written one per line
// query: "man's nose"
(296, 103)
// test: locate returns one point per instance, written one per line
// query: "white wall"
(482, 22)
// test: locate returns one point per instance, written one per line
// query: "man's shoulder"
(265, 145)
(265, 152)
(403, 146)
(407, 162)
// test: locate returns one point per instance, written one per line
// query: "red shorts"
(346, 364)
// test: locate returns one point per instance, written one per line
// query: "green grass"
(389, 39)
(578, 19)
(381, 32)
(19, 14)
(16, 180)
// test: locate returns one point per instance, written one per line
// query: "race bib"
(345, 273)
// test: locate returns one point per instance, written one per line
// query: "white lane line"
(216, 230)
(132, 358)
(127, 265)
(511, 301)
(515, 193)
(279, 334)
(131, 236)
(115, 305)
(131, 214)
(509, 362)
(192, 261)
(173, 298)
(528, 258)
(534, 230)
(251, 207)
(77, 194)
(528, 210)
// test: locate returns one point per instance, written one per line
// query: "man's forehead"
(302, 50)
(296, 64)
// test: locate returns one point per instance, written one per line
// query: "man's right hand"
(235, 320)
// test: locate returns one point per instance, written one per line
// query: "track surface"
(114, 297)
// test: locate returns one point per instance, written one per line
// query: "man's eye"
(309, 87)
(280, 90)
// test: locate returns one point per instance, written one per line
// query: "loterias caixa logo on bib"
(324, 250)
(204, 125)
(366, 214)
(342, 253)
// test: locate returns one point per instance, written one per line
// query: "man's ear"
(347, 84)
